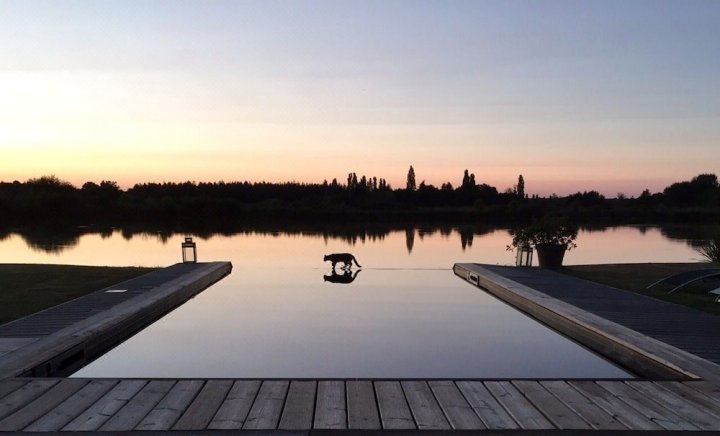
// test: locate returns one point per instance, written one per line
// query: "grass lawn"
(26, 289)
(636, 277)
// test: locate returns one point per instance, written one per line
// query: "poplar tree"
(521, 187)
(411, 179)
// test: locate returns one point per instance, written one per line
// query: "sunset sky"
(616, 96)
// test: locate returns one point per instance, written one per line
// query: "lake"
(404, 315)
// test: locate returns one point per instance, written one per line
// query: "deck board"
(140, 405)
(555, 410)
(265, 412)
(657, 413)
(424, 407)
(41, 405)
(615, 406)
(299, 406)
(234, 410)
(203, 408)
(362, 408)
(72, 406)
(330, 407)
(692, 412)
(24, 395)
(97, 414)
(518, 406)
(393, 407)
(10, 385)
(709, 404)
(591, 412)
(492, 414)
(169, 409)
(457, 410)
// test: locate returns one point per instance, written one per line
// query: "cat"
(346, 258)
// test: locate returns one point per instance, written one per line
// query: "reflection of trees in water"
(410, 238)
(694, 236)
(53, 241)
(4, 234)
(466, 238)
(56, 240)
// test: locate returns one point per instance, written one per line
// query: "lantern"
(524, 255)
(189, 251)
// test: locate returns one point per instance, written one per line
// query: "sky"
(614, 96)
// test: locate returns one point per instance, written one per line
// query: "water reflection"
(426, 246)
(55, 240)
(345, 278)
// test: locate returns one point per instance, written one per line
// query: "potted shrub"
(550, 237)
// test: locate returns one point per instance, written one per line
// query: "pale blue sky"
(575, 95)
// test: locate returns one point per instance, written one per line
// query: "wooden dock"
(45, 405)
(675, 391)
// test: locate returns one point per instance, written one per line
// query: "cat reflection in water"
(345, 278)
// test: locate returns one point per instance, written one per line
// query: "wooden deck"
(44, 405)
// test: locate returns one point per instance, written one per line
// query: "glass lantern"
(189, 251)
(524, 255)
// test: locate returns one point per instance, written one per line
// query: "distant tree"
(521, 187)
(411, 186)
(468, 180)
(701, 190)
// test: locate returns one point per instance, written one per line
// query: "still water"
(281, 313)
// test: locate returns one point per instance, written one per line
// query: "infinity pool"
(297, 321)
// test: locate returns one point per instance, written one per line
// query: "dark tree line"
(47, 200)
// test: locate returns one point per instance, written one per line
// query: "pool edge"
(68, 349)
(641, 354)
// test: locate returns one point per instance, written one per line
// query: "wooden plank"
(361, 406)
(202, 410)
(235, 408)
(658, 414)
(394, 411)
(266, 410)
(711, 390)
(683, 390)
(519, 408)
(557, 412)
(169, 409)
(24, 395)
(135, 410)
(9, 385)
(107, 406)
(41, 405)
(486, 406)
(330, 406)
(424, 407)
(457, 410)
(73, 406)
(690, 411)
(591, 412)
(618, 409)
(299, 406)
